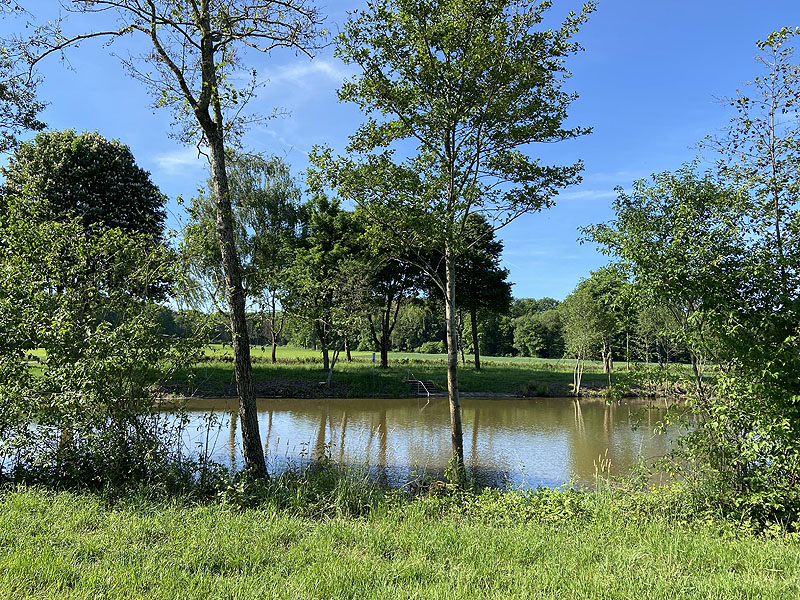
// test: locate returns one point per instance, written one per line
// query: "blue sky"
(649, 82)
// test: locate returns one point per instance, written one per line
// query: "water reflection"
(526, 442)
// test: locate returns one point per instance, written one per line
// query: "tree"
(269, 221)
(88, 177)
(537, 327)
(391, 281)
(326, 283)
(539, 333)
(471, 84)
(83, 297)
(483, 282)
(590, 320)
(418, 322)
(681, 238)
(479, 276)
(196, 47)
(18, 104)
(760, 152)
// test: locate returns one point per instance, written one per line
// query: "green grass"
(74, 546)
(528, 376)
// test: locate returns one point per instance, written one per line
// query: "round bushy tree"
(85, 175)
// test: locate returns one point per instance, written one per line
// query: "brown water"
(520, 442)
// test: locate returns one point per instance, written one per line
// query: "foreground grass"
(519, 377)
(496, 545)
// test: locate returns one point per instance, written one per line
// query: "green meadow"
(301, 370)
(491, 545)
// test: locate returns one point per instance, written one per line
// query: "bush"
(432, 348)
(84, 298)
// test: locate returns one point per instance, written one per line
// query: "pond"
(521, 442)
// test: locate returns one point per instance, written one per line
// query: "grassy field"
(519, 376)
(74, 546)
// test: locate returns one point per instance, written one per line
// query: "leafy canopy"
(86, 176)
(454, 92)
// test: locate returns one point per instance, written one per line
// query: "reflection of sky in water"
(522, 442)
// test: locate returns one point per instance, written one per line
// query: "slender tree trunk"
(275, 332)
(384, 355)
(608, 360)
(473, 316)
(326, 362)
(347, 354)
(577, 374)
(248, 413)
(381, 342)
(333, 364)
(385, 333)
(698, 377)
(627, 350)
(460, 325)
(456, 434)
(322, 335)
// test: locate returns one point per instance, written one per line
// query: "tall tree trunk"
(248, 413)
(606, 357)
(698, 377)
(627, 350)
(329, 380)
(473, 317)
(456, 434)
(384, 355)
(347, 354)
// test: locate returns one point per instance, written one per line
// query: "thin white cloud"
(286, 144)
(307, 74)
(179, 162)
(621, 177)
(588, 195)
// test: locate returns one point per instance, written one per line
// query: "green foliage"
(432, 348)
(417, 323)
(721, 255)
(760, 154)
(539, 334)
(84, 299)
(269, 221)
(88, 177)
(328, 284)
(18, 104)
(587, 315)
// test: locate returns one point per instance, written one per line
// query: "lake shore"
(298, 373)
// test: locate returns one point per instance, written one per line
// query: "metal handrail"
(419, 382)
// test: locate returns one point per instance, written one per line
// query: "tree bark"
(460, 322)
(608, 359)
(382, 342)
(473, 317)
(248, 412)
(275, 332)
(322, 334)
(456, 434)
(208, 111)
